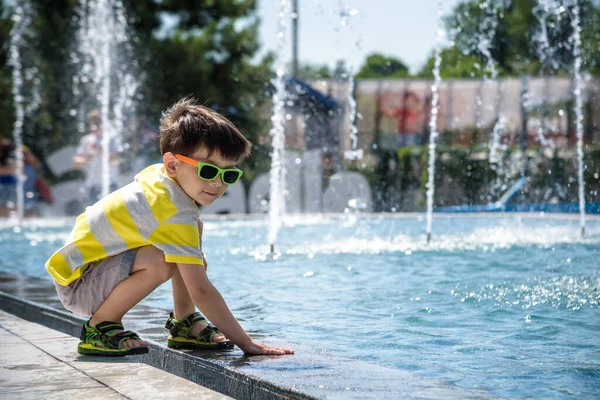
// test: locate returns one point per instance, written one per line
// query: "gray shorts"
(85, 295)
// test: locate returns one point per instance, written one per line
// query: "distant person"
(130, 242)
(408, 115)
(8, 180)
(89, 157)
(328, 168)
(33, 183)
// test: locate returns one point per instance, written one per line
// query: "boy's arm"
(208, 299)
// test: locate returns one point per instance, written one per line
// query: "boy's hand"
(257, 348)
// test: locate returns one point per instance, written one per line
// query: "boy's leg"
(149, 271)
(184, 306)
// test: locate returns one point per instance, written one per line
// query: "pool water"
(506, 304)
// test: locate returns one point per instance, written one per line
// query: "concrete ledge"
(209, 374)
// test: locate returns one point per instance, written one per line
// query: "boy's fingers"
(279, 350)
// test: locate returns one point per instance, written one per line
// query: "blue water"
(505, 304)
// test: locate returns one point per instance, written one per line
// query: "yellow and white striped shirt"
(152, 210)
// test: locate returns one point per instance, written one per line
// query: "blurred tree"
(45, 71)
(200, 48)
(514, 30)
(340, 71)
(6, 108)
(454, 64)
(381, 66)
(207, 53)
(310, 72)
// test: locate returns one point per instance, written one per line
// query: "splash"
(486, 240)
(570, 292)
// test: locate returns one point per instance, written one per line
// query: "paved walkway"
(40, 363)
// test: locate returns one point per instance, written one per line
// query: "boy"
(130, 242)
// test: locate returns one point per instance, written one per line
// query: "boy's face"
(204, 192)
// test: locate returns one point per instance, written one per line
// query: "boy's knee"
(153, 260)
(164, 271)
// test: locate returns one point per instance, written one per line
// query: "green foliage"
(6, 108)
(463, 175)
(516, 44)
(381, 66)
(590, 41)
(454, 64)
(309, 72)
(206, 54)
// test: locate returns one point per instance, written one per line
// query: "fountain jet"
(277, 175)
(576, 24)
(433, 126)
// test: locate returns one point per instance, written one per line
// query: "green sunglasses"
(208, 172)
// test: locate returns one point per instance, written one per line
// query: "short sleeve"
(179, 242)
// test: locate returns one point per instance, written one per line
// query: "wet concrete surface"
(310, 373)
(39, 363)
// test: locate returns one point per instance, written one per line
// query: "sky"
(405, 29)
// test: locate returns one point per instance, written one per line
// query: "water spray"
(576, 24)
(21, 21)
(433, 126)
(277, 133)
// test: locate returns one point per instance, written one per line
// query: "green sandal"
(180, 334)
(102, 340)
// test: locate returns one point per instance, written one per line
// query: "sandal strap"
(193, 319)
(107, 333)
(208, 333)
(107, 327)
(118, 338)
(184, 327)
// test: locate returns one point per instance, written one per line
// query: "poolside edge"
(211, 375)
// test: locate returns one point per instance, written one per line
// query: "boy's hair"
(186, 126)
